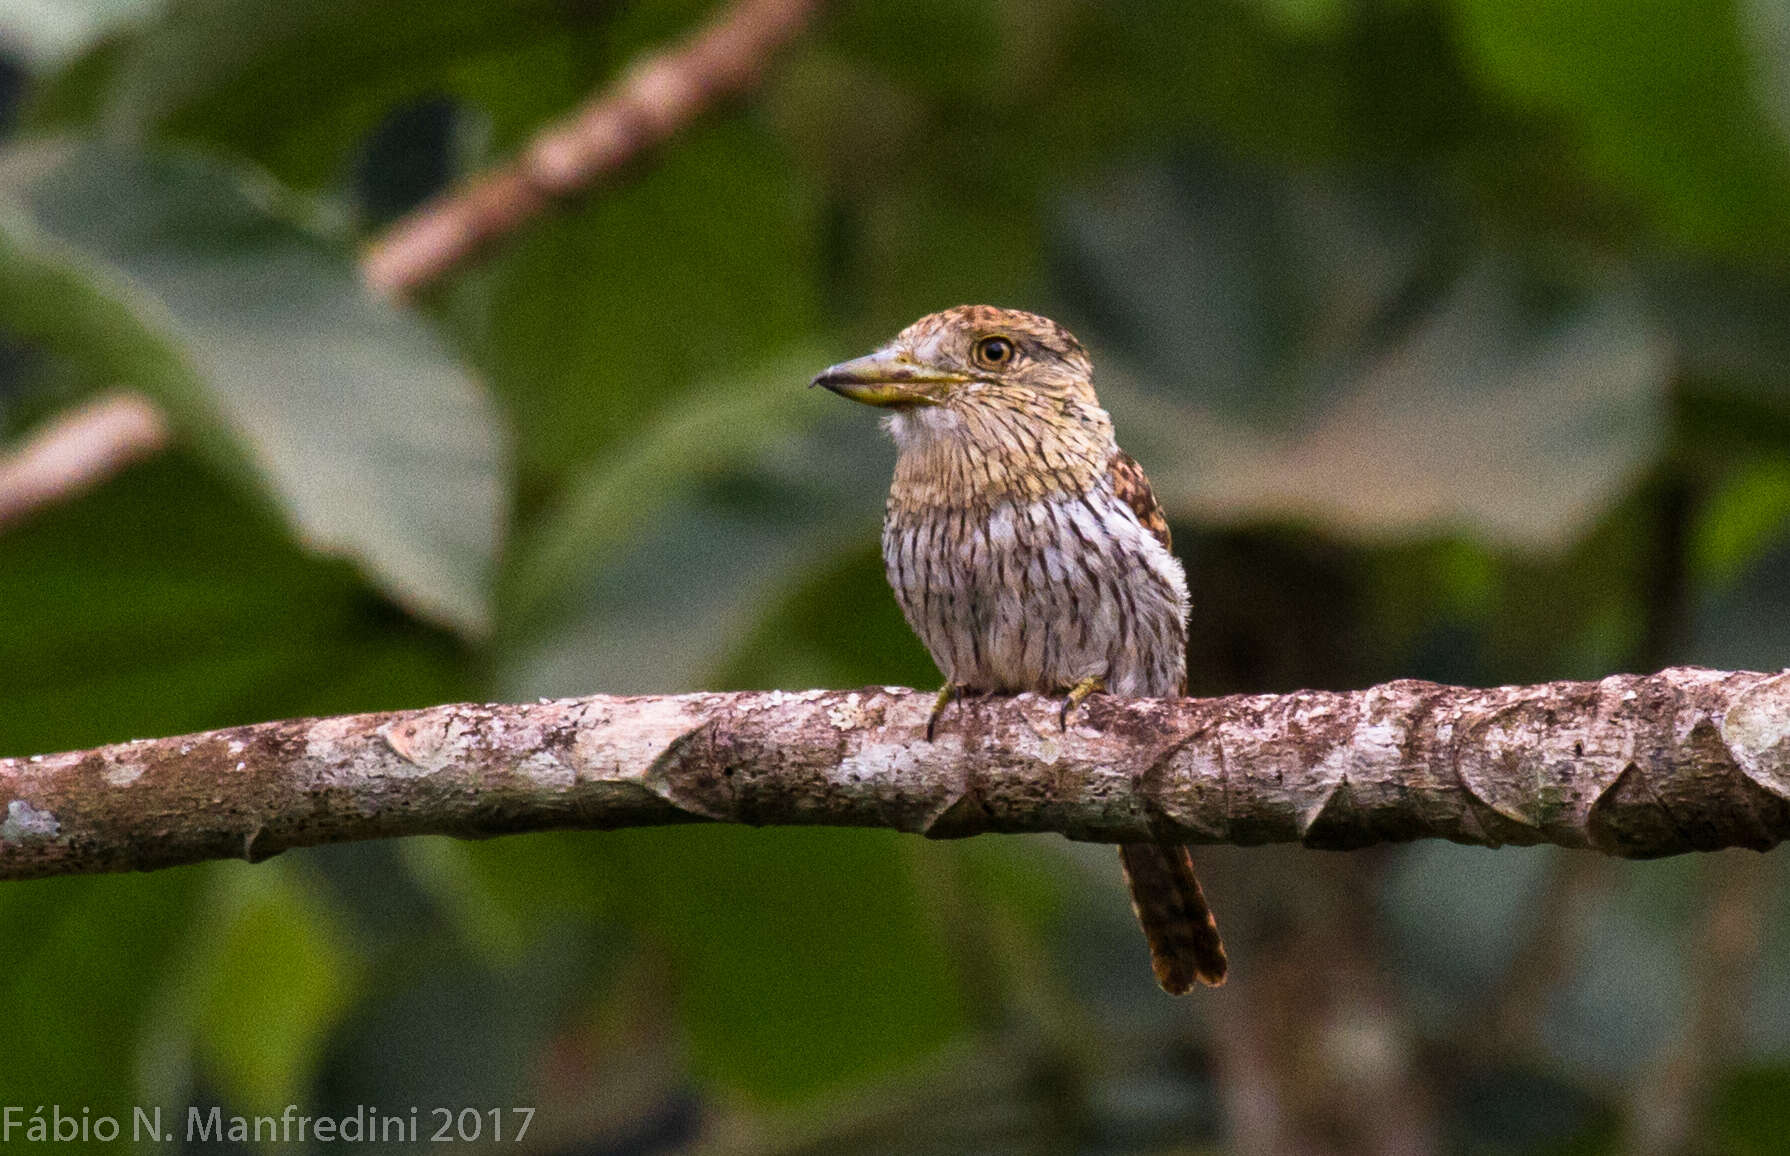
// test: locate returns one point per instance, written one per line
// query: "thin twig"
(77, 450)
(651, 102)
(1510, 1022)
(1315, 1054)
(1683, 760)
(1670, 1100)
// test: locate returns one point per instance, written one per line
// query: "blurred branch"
(1510, 1021)
(1316, 1054)
(651, 102)
(1682, 760)
(1670, 1101)
(994, 1095)
(78, 450)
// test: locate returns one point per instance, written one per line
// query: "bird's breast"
(1037, 593)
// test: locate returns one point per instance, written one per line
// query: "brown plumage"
(1029, 553)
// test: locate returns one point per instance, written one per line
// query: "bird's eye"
(994, 352)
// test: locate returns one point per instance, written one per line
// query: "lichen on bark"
(1637, 766)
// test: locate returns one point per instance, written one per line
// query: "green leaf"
(1306, 17)
(1273, 286)
(170, 274)
(625, 492)
(1662, 97)
(838, 626)
(1767, 27)
(239, 76)
(503, 895)
(1518, 429)
(805, 958)
(1748, 1111)
(605, 317)
(85, 964)
(165, 603)
(1353, 363)
(1738, 621)
(1748, 513)
(50, 32)
(1727, 325)
(665, 613)
(667, 552)
(273, 974)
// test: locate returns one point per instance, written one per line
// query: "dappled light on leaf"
(1309, 351)
(269, 986)
(169, 274)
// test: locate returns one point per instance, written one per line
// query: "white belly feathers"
(1040, 595)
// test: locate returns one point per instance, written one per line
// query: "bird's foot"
(947, 692)
(1078, 694)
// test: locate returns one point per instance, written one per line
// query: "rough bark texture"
(1683, 760)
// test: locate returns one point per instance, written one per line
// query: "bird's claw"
(947, 692)
(1078, 694)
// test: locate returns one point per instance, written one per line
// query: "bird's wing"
(1133, 488)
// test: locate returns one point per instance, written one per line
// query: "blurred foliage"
(1452, 332)
(275, 976)
(161, 271)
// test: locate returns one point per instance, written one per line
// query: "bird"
(1029, 553)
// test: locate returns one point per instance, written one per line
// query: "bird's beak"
(887, 378)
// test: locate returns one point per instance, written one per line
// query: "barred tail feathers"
(1171, 908)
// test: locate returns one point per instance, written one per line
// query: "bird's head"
(966, 352)
(983, 404)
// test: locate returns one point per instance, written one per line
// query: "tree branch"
(78, 450)
(652, 101)
(1683, 760)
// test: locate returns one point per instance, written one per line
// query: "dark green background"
(1453, 333)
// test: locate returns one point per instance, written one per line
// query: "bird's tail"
(1183, 936)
